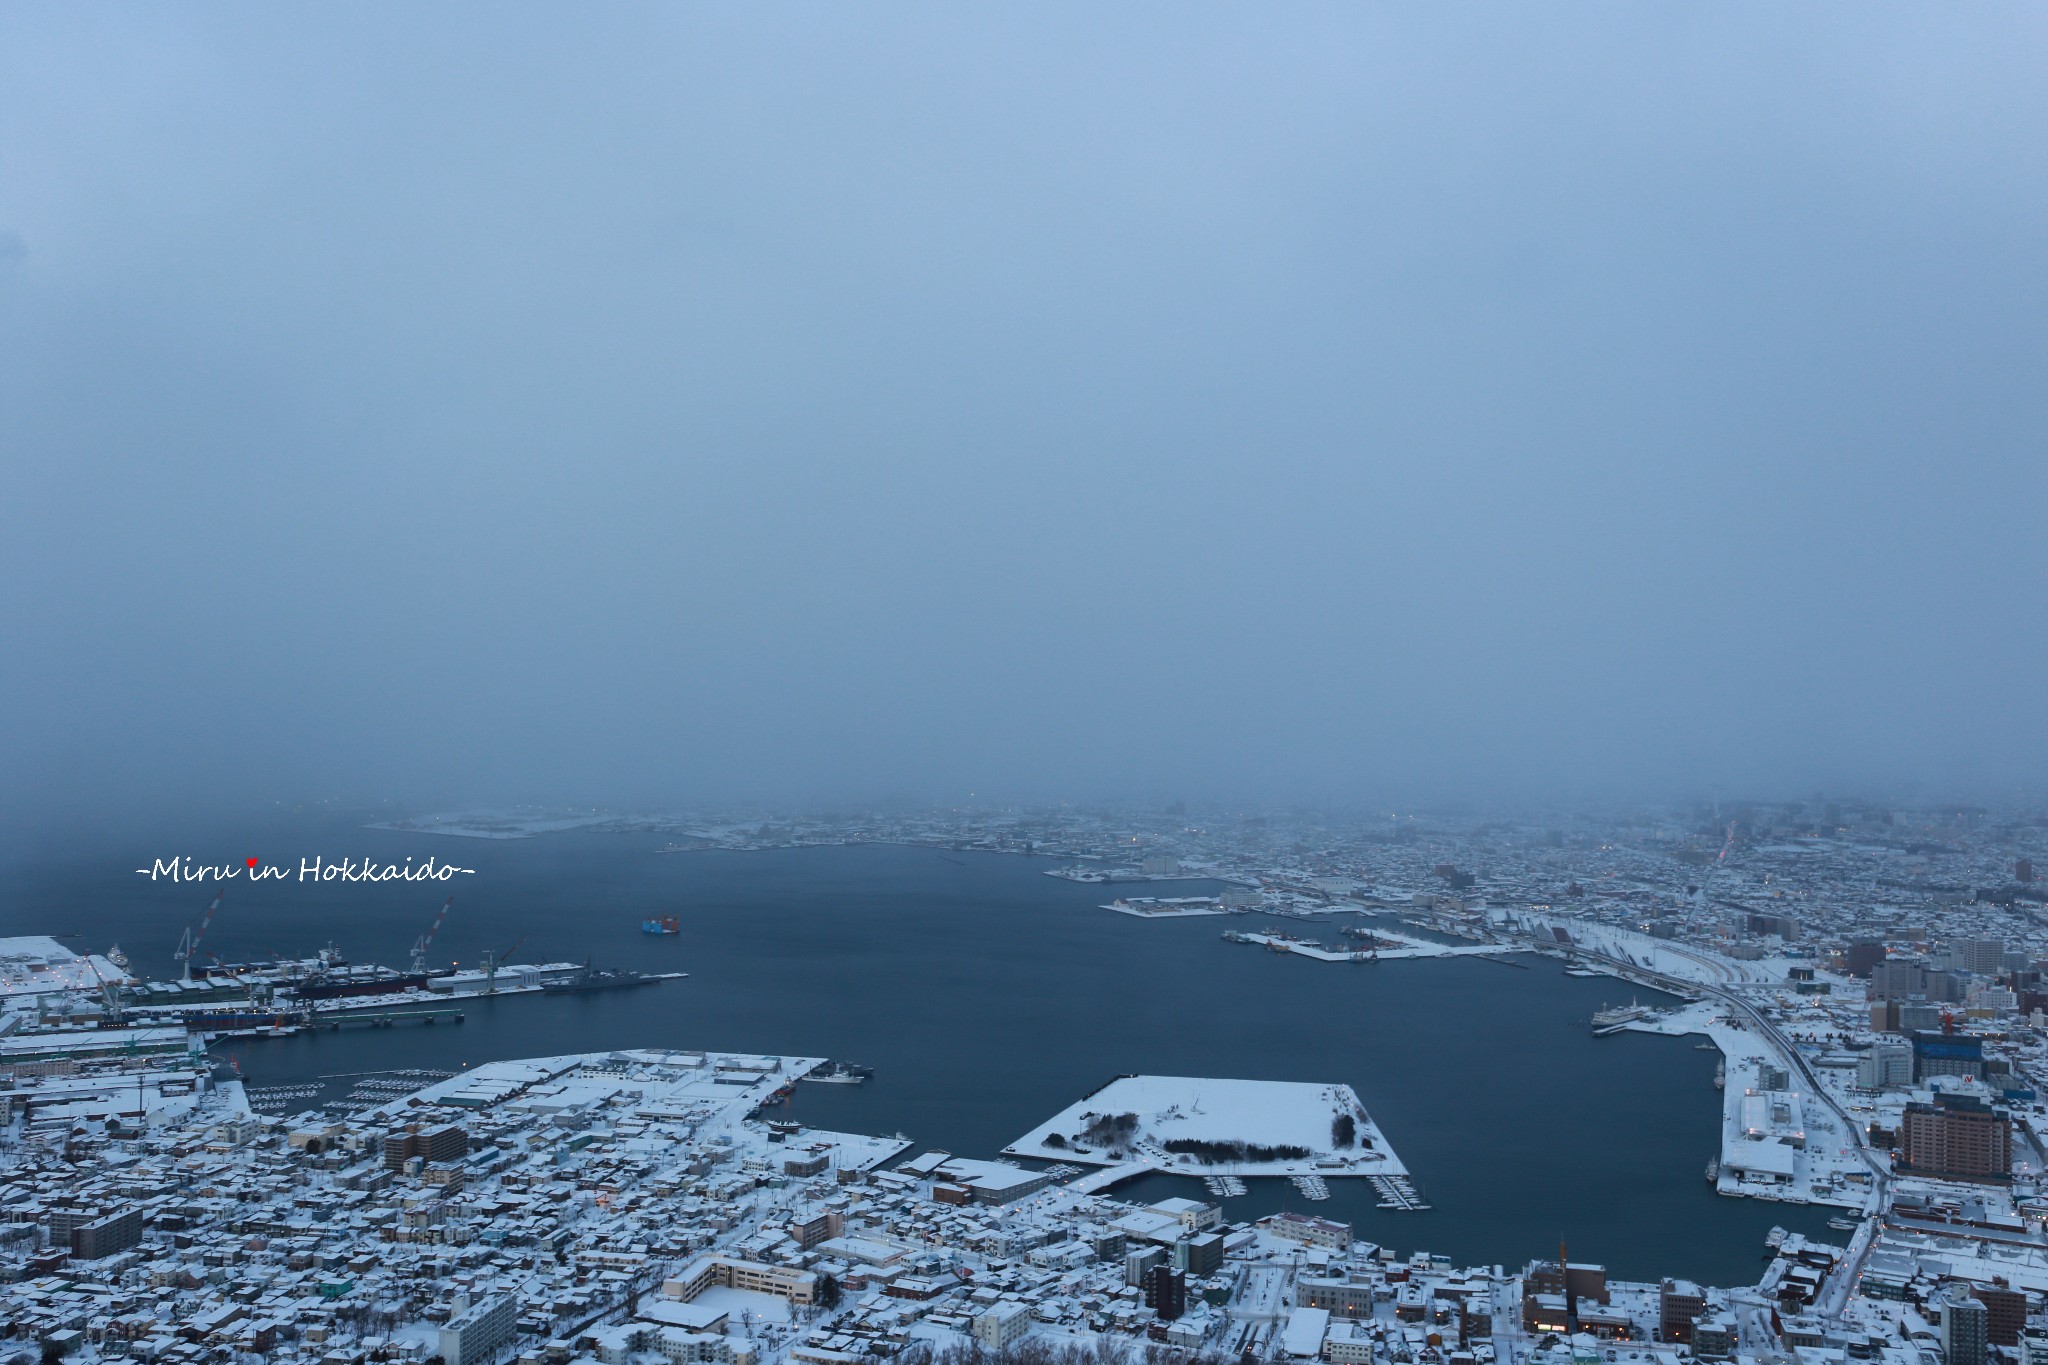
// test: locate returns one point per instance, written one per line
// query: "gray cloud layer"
(628, 402)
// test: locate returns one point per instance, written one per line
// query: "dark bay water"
(988, 996)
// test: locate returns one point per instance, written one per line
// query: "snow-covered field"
(1175, 907)
(1135, 1117)
(1410, 946)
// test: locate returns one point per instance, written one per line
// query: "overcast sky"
(636, 403)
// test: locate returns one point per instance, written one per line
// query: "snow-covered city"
(1871, 981)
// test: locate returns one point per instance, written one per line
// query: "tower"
(1571, 1299)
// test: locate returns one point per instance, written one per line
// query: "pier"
(1408, 947)
(1103, 1177)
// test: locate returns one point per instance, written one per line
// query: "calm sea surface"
(988, 996)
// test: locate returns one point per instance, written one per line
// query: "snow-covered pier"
(1193, 1126)
(1408, 947)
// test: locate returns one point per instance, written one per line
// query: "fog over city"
(662, 403)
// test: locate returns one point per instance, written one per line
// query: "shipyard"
(213, 998)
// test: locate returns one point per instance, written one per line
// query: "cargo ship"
(1615, 1020)
(661, 924)
(277, 969)
(243, 1021)
(368, 980)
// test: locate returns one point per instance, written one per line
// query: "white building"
(1002, 1325)
(476, 1333)
(1302, 1227)
(1348, 1343)
(683, 1347)
(1304, 1333)
(1192, 1214)
(1888, 1064)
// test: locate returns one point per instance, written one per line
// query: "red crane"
(189, 944)
(420, 944)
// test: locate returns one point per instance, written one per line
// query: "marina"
(1312, 1187)
(1398, 1193)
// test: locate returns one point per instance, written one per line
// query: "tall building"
(1964, 1330)
(1861, 956)
(1984, 956)
(1166, 1292)
(1945, 986)
(1888, 1064)
(1892, 980)
(1679, 1305)
(439, 1144)
(1139, 1264)
(90, 1233)
(2023, 870)
(1917, 1016)
(1947, 1054)
(1199, 1255)
(1958, 1137)
(2005, 1312)
(476, 1333)
(107, 1234)
(62, 1220)
(1002, 1325)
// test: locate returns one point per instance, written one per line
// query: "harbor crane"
(189, 944)
(421, 944)
(492, 961)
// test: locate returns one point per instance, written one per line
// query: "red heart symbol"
(252, 862)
